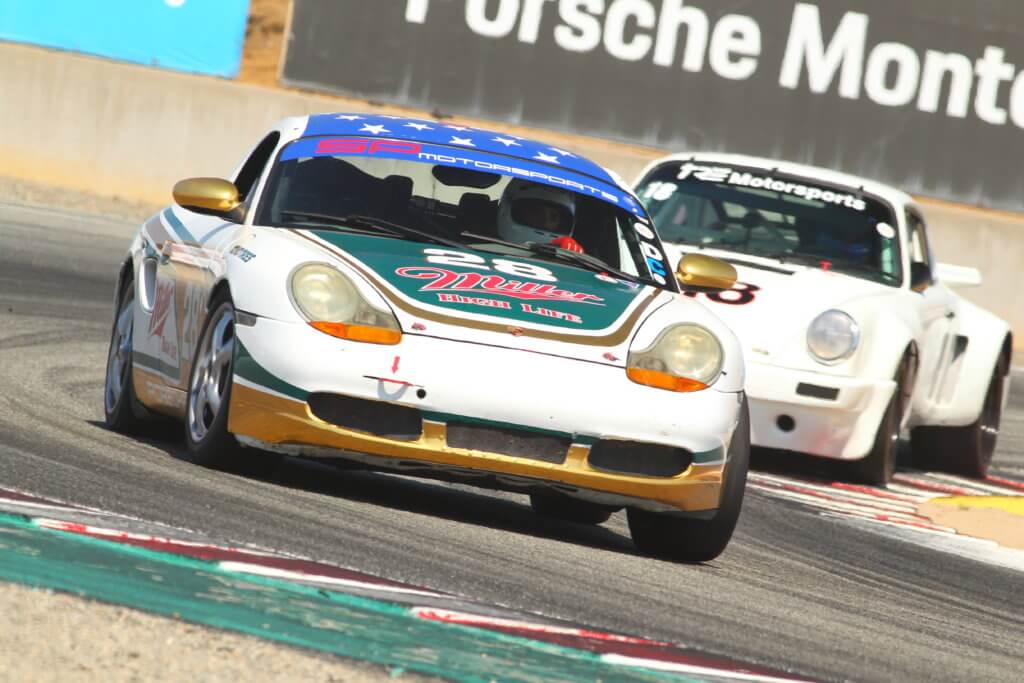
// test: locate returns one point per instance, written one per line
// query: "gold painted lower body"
(272, 419)
(153, 391)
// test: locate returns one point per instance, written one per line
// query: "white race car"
(849, 327)
(439, 300)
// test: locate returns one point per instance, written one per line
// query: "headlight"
(331, 303)
(833, 336)
(682, 358)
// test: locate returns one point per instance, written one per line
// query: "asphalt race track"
(815, 594)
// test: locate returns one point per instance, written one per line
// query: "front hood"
(492, 294)
(774, 304)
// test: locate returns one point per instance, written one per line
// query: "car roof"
(892, 195)
(455, 135)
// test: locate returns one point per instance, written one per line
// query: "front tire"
(122, 411)
(568, 509)
(699, 540)
(209, 389)
(878, 467)
(968, 450)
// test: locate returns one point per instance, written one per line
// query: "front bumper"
(814, 413)
(452, 381)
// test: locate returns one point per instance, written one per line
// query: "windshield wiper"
(862, 268)
(584, 260)
(833, 264)
(378, 225)
(493, 240)
(795, 257)
(399, 229)
(320, 219)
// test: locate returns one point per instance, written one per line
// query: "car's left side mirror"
(705, 272)
(957, 276)
(210, 196)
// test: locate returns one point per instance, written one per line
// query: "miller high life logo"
(445, 280)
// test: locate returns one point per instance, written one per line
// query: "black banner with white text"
(927, 95)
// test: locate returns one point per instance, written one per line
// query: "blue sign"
(198, 36)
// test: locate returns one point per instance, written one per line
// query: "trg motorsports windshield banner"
(925, 95)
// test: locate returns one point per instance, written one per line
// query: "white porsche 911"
(440, 300)
(849, 326)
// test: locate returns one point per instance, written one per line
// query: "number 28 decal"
(740, 295)
(517, 268)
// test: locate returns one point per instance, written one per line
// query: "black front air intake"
(387, 420)
(635, 457)
(518, 443)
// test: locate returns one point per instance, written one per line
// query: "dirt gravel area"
(52, 636)
(1005, 528)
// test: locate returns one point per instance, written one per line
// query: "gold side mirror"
(214, 196)
(705, 272)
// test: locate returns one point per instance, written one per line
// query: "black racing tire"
(559, 506)
(690, 539)
(878, 467)
(207, 438)
(968, 450)
(122, 410)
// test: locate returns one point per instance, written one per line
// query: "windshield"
(313, 187)
(774, 216)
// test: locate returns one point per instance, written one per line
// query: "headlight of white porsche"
(833, 336)
(683, 358)
(330, 302)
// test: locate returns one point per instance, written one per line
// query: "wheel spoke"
(198, 413)
(223, 357)
(212, 392)
(211, 375)
(213, 401)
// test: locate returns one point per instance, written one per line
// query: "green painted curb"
(303, 616)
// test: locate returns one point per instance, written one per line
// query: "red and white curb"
(614, 649)
(895, 506)
(246, 561)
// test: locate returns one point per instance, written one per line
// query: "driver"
(531, 212)
(848, 242)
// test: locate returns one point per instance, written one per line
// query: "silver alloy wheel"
(120, 355)
(211, 375)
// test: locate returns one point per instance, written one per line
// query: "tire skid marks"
(895, 506)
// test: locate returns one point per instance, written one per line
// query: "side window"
(253, 167)
(920, 255)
